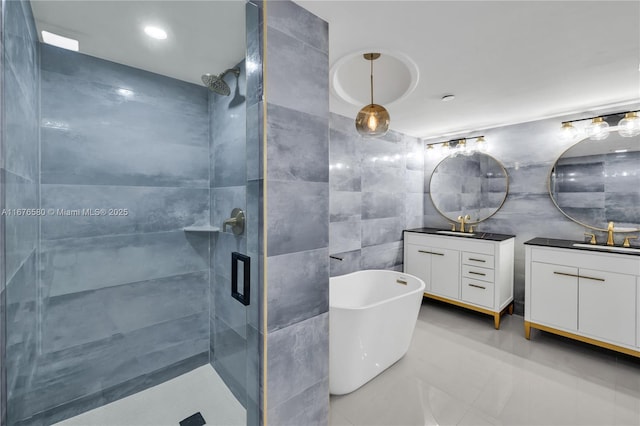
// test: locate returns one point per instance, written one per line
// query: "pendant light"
(373, 119)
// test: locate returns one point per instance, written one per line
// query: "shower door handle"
(245, 296)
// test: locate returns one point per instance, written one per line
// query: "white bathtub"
(372, 317)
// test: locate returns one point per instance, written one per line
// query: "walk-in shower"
(118, 169)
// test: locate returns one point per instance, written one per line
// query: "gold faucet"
(626, 240)
(610, 234)
(593, 238)
(462, 220)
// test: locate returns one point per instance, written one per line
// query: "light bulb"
(598, 129)
(629, 126)
(568, 132)
(372, 122)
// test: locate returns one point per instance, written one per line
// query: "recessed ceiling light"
(60, 41)
(155, 32)
(448, 98)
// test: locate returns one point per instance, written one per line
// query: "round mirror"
(597, 182)
(474, 185)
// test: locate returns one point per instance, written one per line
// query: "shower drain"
(193, 420)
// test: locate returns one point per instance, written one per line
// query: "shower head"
(216, 83)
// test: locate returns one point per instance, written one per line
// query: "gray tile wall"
(376, 191)
(19, 176)
(122, 299)
(297, 215)
(528, 151)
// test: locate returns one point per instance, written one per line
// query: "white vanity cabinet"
(473, 273)
(585, 295)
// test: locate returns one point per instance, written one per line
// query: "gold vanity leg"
(511, 309)
(527, 330)
(496, 320)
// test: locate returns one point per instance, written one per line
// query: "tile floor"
(166, 404)
(461, 371)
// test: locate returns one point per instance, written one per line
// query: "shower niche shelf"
(201, 228)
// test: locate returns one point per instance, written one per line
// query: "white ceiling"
(203, 36)
(506, 61)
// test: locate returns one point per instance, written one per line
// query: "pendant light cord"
(371, 60)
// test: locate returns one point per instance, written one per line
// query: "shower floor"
(170, 402)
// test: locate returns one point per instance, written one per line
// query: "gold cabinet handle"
(579, 276)
(566, 274)
(477, 260)
(477, 273)
(430, 252)
(592, 278)
(477, 286)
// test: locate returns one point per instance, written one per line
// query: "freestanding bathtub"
(372, 317)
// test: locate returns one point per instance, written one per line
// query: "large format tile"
(295, 151)
(379, 205)
(298, 358)
(82, 264)
(121, 309)
(91, 368)
(147, 210)
(20, 231)
(345, 236)
(299, 226)
(309, 408)
(296, 74)
(298, 287)
(382, 231)
(294, 20)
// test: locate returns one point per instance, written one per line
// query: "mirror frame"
(506, 193)
(553, 200)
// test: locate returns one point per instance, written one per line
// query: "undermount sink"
(609, 248)
(457, 233)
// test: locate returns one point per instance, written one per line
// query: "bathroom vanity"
(584, 293)
(472, 270)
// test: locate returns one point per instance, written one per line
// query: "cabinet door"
(418, 263)
(607, 307)
(445, 272)
(554, 295)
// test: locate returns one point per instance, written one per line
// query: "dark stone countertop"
(568, 244)
(478, 234)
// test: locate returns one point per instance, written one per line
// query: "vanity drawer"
(477, 259)
(476, 273)
(477, 292)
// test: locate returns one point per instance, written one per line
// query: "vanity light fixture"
(373, 119)
(460, 144)
(598, 129)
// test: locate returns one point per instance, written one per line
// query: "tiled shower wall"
(377, 189)
(19, 176)
(123, 295)
(528, 151)
(297, 216)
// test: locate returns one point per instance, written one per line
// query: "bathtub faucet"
(335, 257)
